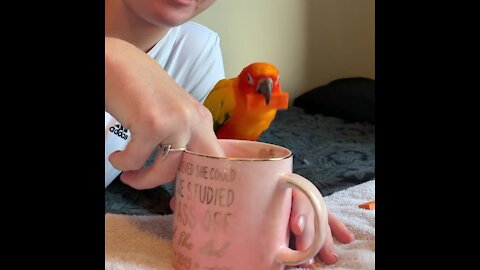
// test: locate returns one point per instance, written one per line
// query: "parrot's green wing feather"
(221, 102)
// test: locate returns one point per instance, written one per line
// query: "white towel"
(144, 242)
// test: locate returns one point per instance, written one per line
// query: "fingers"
(164, 170)
(204, 139)
(327, 253)
(301, 220)
(207, 145)
(172, 204)
(339, 230)
(160, 172)
(302, 225)
(134, 156)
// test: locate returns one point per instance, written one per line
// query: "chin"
(172, 21)
(173, 16)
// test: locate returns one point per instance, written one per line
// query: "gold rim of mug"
(246, 159)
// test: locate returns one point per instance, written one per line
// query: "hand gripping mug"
(233, 212)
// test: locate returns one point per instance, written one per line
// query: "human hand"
(302, 225)
(157, 111)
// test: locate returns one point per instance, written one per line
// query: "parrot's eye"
(250, 79)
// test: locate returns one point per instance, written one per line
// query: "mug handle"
(290, 256)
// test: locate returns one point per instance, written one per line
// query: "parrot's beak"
(265, 87)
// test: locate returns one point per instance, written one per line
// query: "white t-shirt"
(191, 55)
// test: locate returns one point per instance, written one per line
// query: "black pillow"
(351, 99)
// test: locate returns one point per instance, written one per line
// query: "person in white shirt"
(159, 68)
(190, 54)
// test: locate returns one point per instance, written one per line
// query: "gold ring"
(167, 148)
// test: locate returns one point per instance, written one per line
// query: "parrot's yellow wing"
(221, 102)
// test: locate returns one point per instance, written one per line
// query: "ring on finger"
(167, 148)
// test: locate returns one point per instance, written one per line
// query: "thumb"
(302, 220)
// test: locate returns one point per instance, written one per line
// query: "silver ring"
(167, 148)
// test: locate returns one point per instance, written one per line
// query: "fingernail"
(308, 264)
(301, 223)
(332, 249)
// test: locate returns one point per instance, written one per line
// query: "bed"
(331, 136)
(333, 147)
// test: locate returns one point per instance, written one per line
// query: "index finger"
(206, 143)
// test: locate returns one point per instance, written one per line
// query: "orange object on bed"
(368, 205)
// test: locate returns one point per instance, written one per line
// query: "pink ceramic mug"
(233, 213)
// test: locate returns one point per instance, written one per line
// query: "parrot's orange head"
(259, 82)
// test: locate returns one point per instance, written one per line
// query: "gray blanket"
(328, 151)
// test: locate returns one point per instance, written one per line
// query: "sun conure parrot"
(244, 106)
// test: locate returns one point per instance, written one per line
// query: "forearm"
(115, 65)
(134, 80)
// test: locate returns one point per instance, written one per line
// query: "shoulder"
(188, 41)
(196, 36)
(192, 56)
(202, 57)
(195, 30)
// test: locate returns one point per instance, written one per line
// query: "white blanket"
(144, 242)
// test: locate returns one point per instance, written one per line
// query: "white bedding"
(143, 242)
